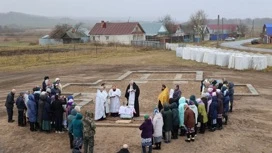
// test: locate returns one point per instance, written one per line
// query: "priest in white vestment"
(114, 95)
(100, 105)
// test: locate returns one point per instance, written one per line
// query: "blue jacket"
(226, 101)
(175, 112)
(213, 108)
(77, 126)
(32, 108)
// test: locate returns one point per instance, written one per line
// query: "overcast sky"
(140, 9)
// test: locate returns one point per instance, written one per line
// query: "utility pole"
(217, 45)
(222, 35)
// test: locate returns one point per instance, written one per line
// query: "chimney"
(103, 24)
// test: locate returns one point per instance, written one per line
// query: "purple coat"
(147, 129)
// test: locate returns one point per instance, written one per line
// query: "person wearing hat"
(182, 102)
(41, 103)
(168, 122)
(32, 112)
(213, 112)
(58, 111)
(157, 122)
(202, 115)
(124, 149)
(10, 104)
(220, 109)
(21, 108)
(46, 113)
(146, 135)
(193, 107)
(226, 101)
(189, 122)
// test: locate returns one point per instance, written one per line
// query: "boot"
(226, 119)
(157, 146)
(188, 138)
(193, 137)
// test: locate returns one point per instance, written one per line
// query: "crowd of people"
(46, 110)
(177, 116)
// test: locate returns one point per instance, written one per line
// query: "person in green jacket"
(168, 122)
(71, 117)
(77, 129)
(202, 116)
(182, 102)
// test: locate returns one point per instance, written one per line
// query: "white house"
(123, 33)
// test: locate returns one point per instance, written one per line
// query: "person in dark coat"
(32, 112)
(168, 122)
(213, 112)
(132, 95)
(219, 109)
(146, 135)
(58, 112)
(46, 113)
(44, 83)
(226, 101)
(55, 90)
(42, 101)
(176, 95)
(21, 108)
(231, 95)
(10, 104)
(175, 121)
(193, 99)
(189, 122)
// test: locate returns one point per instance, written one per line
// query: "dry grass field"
(249, 129)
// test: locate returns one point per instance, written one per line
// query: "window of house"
(107, 37)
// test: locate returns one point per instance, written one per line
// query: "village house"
(123, 33)
(154, 31)
(224, 31)
(267, 33)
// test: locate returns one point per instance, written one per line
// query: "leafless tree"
(198, 22)
(78, 25)
(169, 23)
(59, 31)
(243, 29)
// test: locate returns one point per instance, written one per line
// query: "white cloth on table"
(126, 111)
(114, 100)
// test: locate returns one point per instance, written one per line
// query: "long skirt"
(157, 139)
(46, 125)
(146, 142)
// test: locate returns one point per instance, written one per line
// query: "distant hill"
(33, 21)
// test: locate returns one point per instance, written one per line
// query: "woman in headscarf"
(202, 116)
(147, 132)
(157, 125)
(132, 96)
(182, 102)
(213, 112)
(176, 95)
(58, 110)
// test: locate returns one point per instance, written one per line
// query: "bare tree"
(59, 31)
(78, 25)
(198, 22)
(169, 23)
(243, 29)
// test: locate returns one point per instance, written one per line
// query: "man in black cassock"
(132, 95)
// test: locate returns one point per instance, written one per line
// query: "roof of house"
(153, 28)
(115, 28)
(75, 34)
(231, 27)
(268, 29)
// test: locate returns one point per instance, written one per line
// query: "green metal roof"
(153, 28)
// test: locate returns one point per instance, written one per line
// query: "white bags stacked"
(231, 59)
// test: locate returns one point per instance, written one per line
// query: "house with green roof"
(153, 30)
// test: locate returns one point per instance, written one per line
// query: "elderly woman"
(147, 132)
(157, 126)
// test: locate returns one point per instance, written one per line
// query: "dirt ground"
(248, 131)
